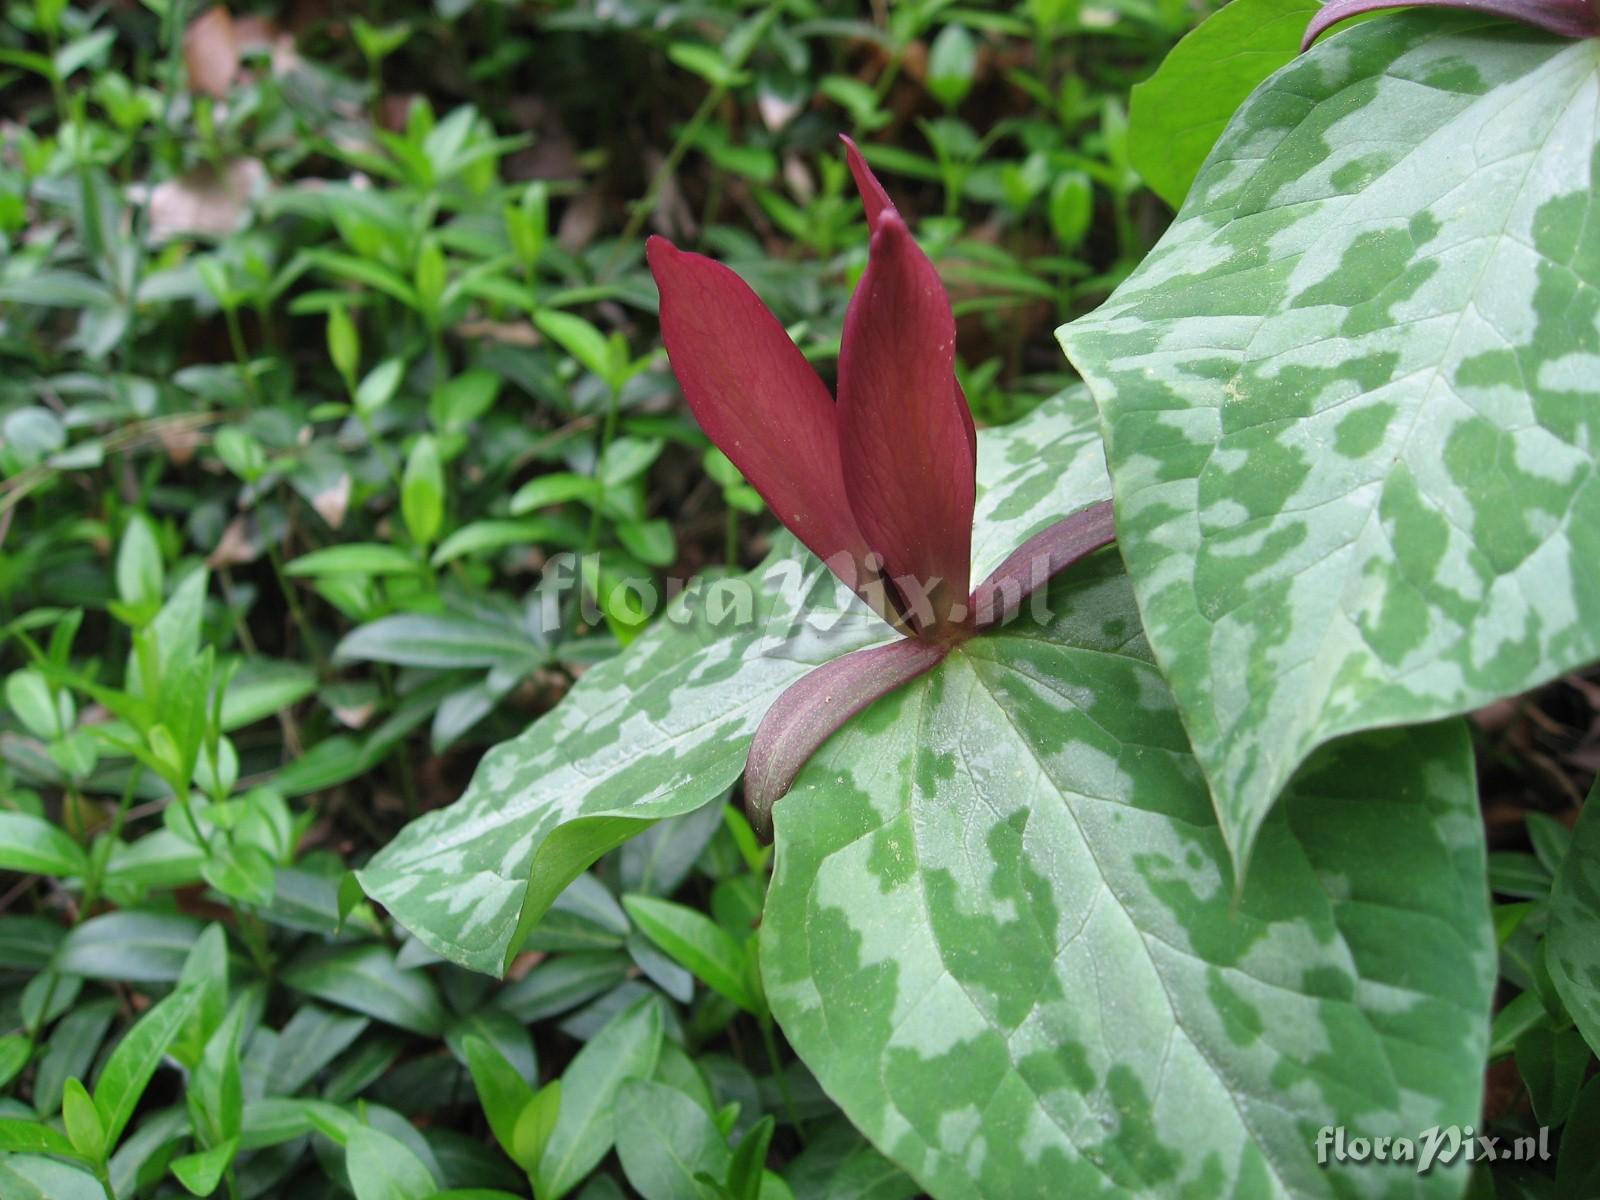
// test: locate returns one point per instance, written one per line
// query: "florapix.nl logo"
(1441, 1145)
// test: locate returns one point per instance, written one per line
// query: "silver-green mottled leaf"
(1350, 400)
(1003, 933)
(663, 728)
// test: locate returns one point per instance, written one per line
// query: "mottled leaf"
(1349, 399)
(663, 729)
(1004, 934)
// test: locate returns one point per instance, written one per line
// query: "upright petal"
(905, 433)
(757, 398)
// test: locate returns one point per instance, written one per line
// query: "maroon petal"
(758, 399)
(1568, 18)
(1031, 565)
(905, 432)
(814, 707)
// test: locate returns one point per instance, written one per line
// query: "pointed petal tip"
(873, 194)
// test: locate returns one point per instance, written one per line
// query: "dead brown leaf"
(237, 545)
(333, 501)
(211, 52)
(204, 201)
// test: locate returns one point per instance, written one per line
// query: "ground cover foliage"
(383, 640)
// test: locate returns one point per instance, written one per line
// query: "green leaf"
(136, 947)
(1572, 945)
(201, 1172)
(139, 570)
(484, 537)
(502, 1093)
(367, 980)
(625, 1049)
(445, 640)
(665, 1140)
(839, 1164)
(952, 65)
(312, 1039)
(344, 344)
(1348, 399)
(1176, 115)
(382, 1168)
(695, 942)
(1002, 902)
(577, 337)
(355, 558)
(706, 62)
(1552, 1064)
(20, 1136)
(555, 488)
(15, 1050)
(562, 983)
(85, 1128)
(422, 491)
(27, 1177)
(262, 687)
(34, 846)
(123, 1079)
(534, 1126)
(379, 385)
(460, 401)
(664, 728)
(44, 713)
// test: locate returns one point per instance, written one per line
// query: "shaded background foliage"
(323, 329)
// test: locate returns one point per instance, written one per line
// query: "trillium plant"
(1129, 840)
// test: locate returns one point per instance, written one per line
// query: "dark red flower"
(880, 485)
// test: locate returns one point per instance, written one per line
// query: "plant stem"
(780, 1078)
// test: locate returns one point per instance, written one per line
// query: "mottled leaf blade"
(663, 728)
(1349, 398)
(1002, 903)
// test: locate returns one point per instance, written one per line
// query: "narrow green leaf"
(85, 1128)
(1572, 946)
(133, 947)
(382, 1168)
(502, 1093)
(666, 1142)
(696, 943)
(20, 1136)
(577, 337)
(444, 640)
(422, 491)
(127, 1072)
(33, 846)
(535, 1123)
(584, 1130)
(366, 979)
(201, 1172)
(355, 558)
